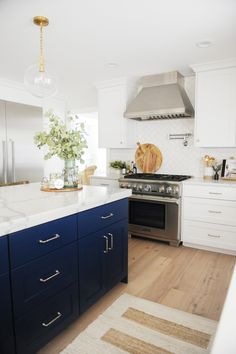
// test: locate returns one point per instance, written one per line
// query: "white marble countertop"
(207, 182)
(25, 206)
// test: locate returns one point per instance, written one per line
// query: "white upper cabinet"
(215, 107)
(114, 131)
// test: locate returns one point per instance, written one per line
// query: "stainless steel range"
(155, 205)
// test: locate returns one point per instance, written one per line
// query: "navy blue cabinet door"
(102, 262)
(4, 266)
(116, 262)
(6, 328)
(91, 253)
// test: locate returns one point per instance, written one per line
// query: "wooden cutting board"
(148, 158)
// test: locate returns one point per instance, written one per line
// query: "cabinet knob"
(121, 142)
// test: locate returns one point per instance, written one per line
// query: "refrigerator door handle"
(4, 161)
(13, 170)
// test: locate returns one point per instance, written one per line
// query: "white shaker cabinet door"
(215, 123)
(114, 131)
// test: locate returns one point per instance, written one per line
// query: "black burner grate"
(157, 177)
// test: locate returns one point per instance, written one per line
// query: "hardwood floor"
(188, 279)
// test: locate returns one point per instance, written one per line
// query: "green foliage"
(118, 164)
(60, 140)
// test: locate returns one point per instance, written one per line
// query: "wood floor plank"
(188, 279)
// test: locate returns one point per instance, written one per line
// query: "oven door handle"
(144, 197)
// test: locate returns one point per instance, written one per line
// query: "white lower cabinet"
(104, 181)
(210, 235)
(209, 222)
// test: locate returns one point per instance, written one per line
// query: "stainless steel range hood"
(161, 97)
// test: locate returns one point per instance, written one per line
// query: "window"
(93, 154)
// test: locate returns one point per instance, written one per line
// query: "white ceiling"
(141, 36)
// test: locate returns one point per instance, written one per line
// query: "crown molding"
(214, 65)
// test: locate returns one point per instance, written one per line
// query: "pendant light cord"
(41, 58)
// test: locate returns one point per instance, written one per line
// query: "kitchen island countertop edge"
(24, 206)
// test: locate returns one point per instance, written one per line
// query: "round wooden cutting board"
(148, 158)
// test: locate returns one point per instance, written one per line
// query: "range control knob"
(140, 187)
(129, 185)
(147, 188)
(162, 189)
(176, 190)
(169, 190)
(134, 187)
(123, 185)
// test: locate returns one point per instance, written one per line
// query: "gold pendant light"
(37, 80)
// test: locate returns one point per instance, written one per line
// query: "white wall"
(177, 159)
(15, 92)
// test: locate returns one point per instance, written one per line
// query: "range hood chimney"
(161, 97)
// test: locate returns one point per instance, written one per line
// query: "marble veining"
(25, 206)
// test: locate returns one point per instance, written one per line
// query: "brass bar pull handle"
(112, 241)
(51, 277)
(216, 193)
(107, 246)
(107, 216)
(214, 211)
(50, 239)
(52, 321)
(216, 236)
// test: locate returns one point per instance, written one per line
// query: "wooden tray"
(61, 190)
(148, 158)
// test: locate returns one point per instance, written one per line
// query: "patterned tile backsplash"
(177, 158)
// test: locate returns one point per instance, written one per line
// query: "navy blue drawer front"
(4, 267)
(39, 326)
(39, 240)
(46, 276)
(97, 218)
(6, 326)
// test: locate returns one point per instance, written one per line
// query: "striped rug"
(137, 326)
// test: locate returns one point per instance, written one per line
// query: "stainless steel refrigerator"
(20, 159)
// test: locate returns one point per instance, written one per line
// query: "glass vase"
(70, 174)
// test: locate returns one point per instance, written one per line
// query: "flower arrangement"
(65, 143)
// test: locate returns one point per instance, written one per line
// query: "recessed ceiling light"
(112, 65)
(204, 44)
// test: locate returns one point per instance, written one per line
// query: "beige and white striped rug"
(137, 326)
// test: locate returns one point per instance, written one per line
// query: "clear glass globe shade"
(40, 84)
